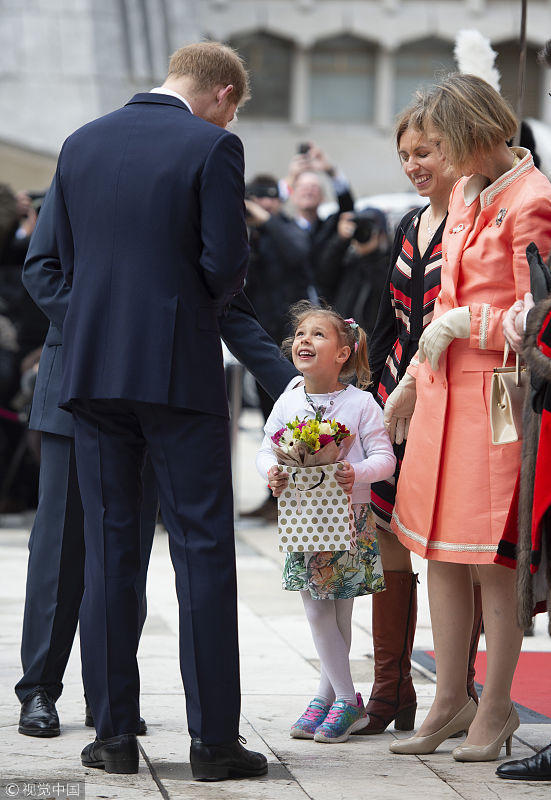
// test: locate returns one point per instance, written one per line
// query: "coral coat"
(455, 486)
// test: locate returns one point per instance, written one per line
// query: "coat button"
(431, 378)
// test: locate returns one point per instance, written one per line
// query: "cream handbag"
(507, 400)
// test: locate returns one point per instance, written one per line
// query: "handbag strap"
(517, 362)
(505, 353)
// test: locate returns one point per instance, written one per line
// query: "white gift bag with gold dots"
(314, 514)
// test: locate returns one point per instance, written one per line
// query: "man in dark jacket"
(278, 264)
(354, 266)
(55, 575)
(151, 237)
(278, 276)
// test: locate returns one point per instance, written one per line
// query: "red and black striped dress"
(407, 306)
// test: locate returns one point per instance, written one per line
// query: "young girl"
(327, 350)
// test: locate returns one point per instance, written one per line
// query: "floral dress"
(342, 574)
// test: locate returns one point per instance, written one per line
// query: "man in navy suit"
(150, 229)
(55, 574)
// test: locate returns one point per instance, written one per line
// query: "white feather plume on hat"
(474, 55)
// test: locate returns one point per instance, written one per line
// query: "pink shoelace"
(312, 713)
(334, 714)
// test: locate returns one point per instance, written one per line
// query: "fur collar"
(539, 364)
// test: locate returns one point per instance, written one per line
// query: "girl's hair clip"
(352, 322)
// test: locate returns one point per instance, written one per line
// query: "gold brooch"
(501, 216)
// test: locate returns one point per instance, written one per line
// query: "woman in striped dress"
(406, 309)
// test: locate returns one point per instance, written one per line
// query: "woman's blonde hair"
(468, 114)
(211, 64)
(352, 335)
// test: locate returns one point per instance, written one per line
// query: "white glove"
(454, 324)
(514, 322)
(399, 409)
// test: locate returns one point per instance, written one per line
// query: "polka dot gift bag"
(314, 514)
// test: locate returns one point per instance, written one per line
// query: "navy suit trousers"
(55, 572)
(190, 454)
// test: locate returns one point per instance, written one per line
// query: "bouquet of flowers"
(312, 442)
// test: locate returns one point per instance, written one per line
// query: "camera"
(261, 190)
(364, 228)
(36, 198)
(303, 148)
(259, 187)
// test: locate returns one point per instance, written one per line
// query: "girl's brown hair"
(469, 115)
(353, 335)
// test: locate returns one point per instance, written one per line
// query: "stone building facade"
(332, 71)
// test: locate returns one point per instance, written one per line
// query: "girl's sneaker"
(342, 720)
(305, 727)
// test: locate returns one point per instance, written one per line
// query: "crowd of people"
(22, 331)
(420, 324)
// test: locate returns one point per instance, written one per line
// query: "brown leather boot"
(475, 636)
(394, 619)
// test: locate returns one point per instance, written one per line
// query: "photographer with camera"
(352, 269)
(277, 276)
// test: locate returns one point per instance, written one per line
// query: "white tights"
(331, 625)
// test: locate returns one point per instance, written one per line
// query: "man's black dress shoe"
(219, 762)
(118, 754)
(38, 715)
(533, 768)
(89, 720)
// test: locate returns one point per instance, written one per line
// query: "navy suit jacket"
(45, 282)
(150, 228)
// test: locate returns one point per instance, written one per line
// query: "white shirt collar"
(303, 223)
(164, 90)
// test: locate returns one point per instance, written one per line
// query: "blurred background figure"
(277, 277)
(278, 266)
(308, 170)
(353, 266)
(21, 333)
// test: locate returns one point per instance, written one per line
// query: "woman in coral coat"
(455, 486)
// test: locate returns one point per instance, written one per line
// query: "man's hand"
(515, 321)
(277, 480)
(399, 409)
(256, 215)
(26, 213)
(346, 228)
(437, 337)
(298, 164)
(319, 161)
(345, 477)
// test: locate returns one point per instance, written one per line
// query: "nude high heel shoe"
(422, 745)
(489, 752)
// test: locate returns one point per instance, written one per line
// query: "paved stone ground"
(279, 675)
